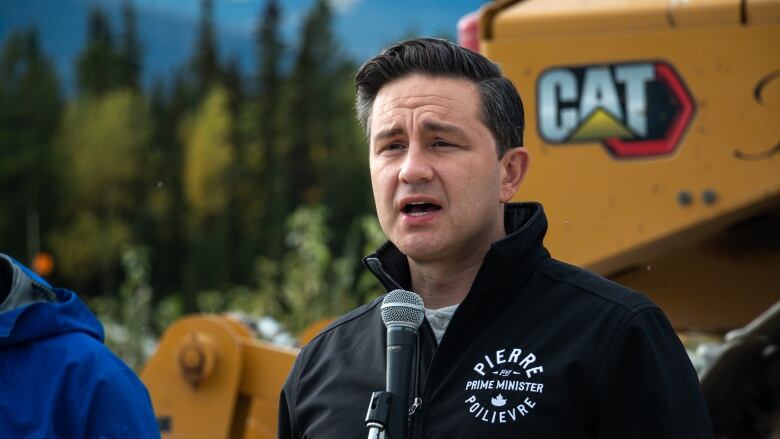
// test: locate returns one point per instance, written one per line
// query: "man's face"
(438, 184)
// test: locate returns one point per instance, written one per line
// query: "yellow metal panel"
(258, 423)
(600, 207)
(704, 287)
(197, 411)
(685, 13)
(567, 17)
(763, 11)
(266, 367)
(239, 395)
(618, 215)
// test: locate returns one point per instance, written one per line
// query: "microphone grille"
(401, 307)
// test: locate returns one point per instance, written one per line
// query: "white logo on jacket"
(505, 387)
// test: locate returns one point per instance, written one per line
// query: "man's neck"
(443, 284)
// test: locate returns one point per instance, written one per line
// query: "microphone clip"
(378, 416)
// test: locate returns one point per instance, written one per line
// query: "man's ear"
(514, 166)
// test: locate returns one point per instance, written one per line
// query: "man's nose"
(417, 166)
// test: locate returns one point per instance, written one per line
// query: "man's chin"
(420, 251)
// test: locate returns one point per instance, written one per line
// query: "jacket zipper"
(418, 431)
(415, 385)
(416, 375)
(416, 408)
(417, 404)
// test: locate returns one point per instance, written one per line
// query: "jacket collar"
(525, 225)
(19, 287)
(33, 309)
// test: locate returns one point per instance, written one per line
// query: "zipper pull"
(417, 403)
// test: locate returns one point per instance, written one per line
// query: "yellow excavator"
(654, 133)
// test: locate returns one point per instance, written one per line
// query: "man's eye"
(393, 146)
(441, 143)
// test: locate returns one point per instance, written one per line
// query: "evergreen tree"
(328, 156)
(239, 210)
(30, 112)
(310, 91)
(345, 179)
(234, 85)
(205, 63)
(272, 177)
(268, 80)
(130, 48)
(98, 65)
(170, 258)
(102, 149)
(208, 158)
(163, 144)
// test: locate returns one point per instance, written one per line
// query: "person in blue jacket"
(57, 379)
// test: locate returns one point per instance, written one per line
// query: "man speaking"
(514, 344)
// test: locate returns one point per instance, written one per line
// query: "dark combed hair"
(501, 106)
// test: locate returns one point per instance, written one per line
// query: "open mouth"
(419, 209)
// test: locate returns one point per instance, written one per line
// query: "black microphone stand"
(378, 416)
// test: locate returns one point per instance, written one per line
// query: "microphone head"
(402, 308)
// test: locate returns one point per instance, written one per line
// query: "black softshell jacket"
(537, 349)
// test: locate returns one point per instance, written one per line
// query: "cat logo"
(633, 109)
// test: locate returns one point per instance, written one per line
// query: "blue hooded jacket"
(57, 379)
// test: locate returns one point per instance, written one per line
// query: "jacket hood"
(525, 225)
(33, 309)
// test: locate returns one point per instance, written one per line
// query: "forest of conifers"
(219, 189)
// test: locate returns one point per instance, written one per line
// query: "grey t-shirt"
(440, 319)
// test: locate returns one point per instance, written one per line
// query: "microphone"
(402, 314)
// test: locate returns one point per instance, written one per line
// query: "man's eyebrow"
(427, 126)
(390, 132)
(442, 127)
